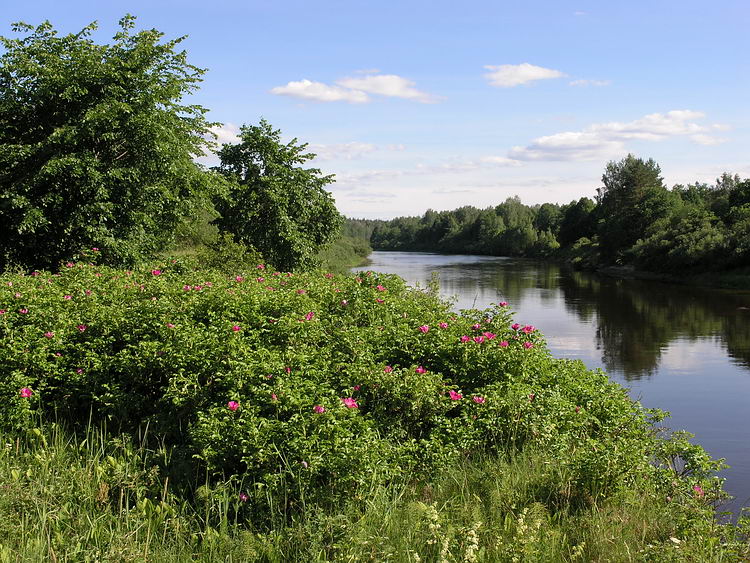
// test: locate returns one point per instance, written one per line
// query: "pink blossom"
(478, 400)
(82, 328)
(424, 328)
(489, 335)
(17, 295)
(380, 287)
(79, 371)
(58, 354)
(186, 288)
(528, 329)
(350, 403)
(288, 370)
(379, 301)
(503, 303)
(156, 272)
(387, 369)
(236, 328)
(69, 265)
(465, 338)
(49, 334)
(443, 325)
(528, 345)
(35, 273)
(67, 297)
(344, 302)
(170, 325)
(479, 339)
(319, 409)
(309, 316)
(269, 288)
(276, 274)
(87, 292)
(698, 491)
(476, 326)
(23, 311)
(261, 267)
(274, 397)
(357, 387)
(454, 395)
(26, 392)
(2, 311)
(239, 278)
(515, 326)
(329, 276)
(503, 344)
(244, 497)
(532, 396)
(260, 280)
(420, 369)
(233, 405)
(301, 292)
(95, 249)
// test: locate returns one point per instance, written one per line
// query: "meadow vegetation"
(171, 413)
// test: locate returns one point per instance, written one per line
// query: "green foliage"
(278, 414)
(273, 203)
(96, 148)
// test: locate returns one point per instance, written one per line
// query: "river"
(682, 349)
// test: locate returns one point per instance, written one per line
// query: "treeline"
(634, 219)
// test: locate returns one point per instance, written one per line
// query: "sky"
(432, 104)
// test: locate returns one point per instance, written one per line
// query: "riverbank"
(731, 279)
(307, 416)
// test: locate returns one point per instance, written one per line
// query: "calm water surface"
(682, 349)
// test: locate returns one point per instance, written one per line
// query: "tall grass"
(93, 497)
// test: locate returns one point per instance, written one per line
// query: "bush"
(307, 387)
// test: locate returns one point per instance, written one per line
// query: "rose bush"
(309, 387)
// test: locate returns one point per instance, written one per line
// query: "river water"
(682, 349)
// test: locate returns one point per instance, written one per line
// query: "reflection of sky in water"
(690, 372)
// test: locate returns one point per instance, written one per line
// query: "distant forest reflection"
(634, 320)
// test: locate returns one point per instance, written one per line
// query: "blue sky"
(432, 104)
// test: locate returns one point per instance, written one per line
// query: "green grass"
(95, 498)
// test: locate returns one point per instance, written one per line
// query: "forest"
(633, 220)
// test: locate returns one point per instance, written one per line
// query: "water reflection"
(633, 321)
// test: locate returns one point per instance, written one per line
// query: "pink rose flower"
(67, 297)
(528, 329)
(515, 326)
(489, 335)
(233, 405)
(478, 400)
(26, 393)
(503, 344)
(236, 328)
(420, 369)
(82, 328)
(387, 369)
(156, 272)
(479, 339)
(244, 497)
(379, 301)
(239, 278)
(528, 345)
(350, 403)
(503, 303)
(424, 328)
(465, 338)
(261, 267)
(49, 335)
(443, 325)
(476, 326)
(455, 396)
(319, 409)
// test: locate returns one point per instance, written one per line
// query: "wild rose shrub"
(310, 387)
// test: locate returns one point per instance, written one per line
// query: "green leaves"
(273, 203)
(96, 146)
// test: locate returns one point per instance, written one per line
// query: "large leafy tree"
(275, 204)
(96, 144)
(631, 198)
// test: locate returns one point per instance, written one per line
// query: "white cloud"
(500, 161)
(355, 89)
(507, 76)
(604, 140)
(343, 151)
(389, 85)
(308, 90)
(587, 82)
(707, 140)
(226, 133)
